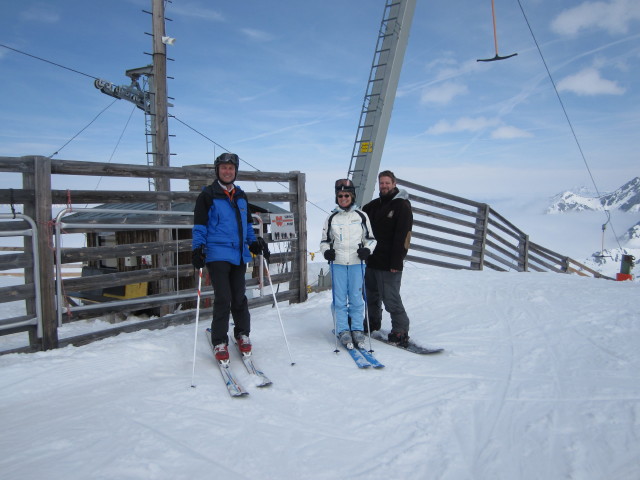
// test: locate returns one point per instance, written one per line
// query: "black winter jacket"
(391, 221)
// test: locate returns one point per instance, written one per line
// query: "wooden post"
(482, 227)
(161, 152)
(523, 254)
(299, 210)
(40, 183)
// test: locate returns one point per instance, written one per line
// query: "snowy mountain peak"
(626, 198)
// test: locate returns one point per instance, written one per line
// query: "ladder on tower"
(148, 135)
(379, 96)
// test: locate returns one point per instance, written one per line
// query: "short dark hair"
(387, 173)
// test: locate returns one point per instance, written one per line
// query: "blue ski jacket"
(223, 224)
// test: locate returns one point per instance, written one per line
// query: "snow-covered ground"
(540, 380)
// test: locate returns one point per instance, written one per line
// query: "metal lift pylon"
(379, 96)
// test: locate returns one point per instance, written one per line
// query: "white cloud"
(464, 124)
(194, 10)
(41, 13)
(613, 16)
(258, 35)
(442, 94)
(507, 132)
(589, 82)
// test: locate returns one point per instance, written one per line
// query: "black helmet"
(345, 185)
(226, 157)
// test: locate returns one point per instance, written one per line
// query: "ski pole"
(366, 307)
(195, 342)
(275, 301)
(333, 309)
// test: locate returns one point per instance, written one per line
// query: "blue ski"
(375, 363)
(360, 360)
(357, 356)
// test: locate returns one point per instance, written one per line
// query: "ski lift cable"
(118, 142)
(83, 129)
(226, 150)
(48, 61)
(566, 115)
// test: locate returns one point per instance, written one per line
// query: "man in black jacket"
(391, 220)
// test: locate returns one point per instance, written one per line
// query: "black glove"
(199, 258)
(363, 253)
(330, 255)
(260, 247)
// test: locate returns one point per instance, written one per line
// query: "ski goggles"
(343, 182)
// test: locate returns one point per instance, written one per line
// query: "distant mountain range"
(626, 199)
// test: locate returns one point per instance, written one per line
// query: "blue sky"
(281, 84)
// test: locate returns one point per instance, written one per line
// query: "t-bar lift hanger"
(495, 39)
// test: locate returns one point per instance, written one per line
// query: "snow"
(540, 380)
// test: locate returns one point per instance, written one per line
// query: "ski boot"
(399, 338)
(345, 339)
(358, 339)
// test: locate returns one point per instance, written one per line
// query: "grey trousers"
(384, 287)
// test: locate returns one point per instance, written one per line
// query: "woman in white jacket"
(347, 241)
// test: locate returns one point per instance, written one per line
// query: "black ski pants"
(229, 289)
(383, 287)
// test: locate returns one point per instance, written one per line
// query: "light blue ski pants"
(347, 291)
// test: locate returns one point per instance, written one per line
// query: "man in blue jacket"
(222, 239)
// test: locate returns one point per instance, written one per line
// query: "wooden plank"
(495, 214)
(493, 266)
(504, 251)
(18, 196)
(533, 259)
(502, 260)
(437, 193)
(444, 218)
(299, 208)
(443, 241)
(493, 223)
(548, 252)
(16, 164)
(442, 206)
(122, 196)
(74, 167)
(436, 263)
(481, 229)
(444, 253)
(85, 254)
(40, 183)
(438, 228)
(12, 261)
(152, 301)
(14, 293)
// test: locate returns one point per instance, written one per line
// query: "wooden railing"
(170, 272)
(455, 232)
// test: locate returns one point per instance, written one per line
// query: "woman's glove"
(363, 253)
(330, 255)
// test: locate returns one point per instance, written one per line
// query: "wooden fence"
(449, 232)
(170, 269)
(454, 232)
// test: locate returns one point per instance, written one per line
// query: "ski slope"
(540, 380)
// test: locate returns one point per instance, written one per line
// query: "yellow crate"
(133, 290)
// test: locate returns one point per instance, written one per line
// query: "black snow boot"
(399, 338)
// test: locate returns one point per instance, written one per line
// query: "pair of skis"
(363, 358)
(234, 387)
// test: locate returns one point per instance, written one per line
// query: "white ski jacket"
(347, 231)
